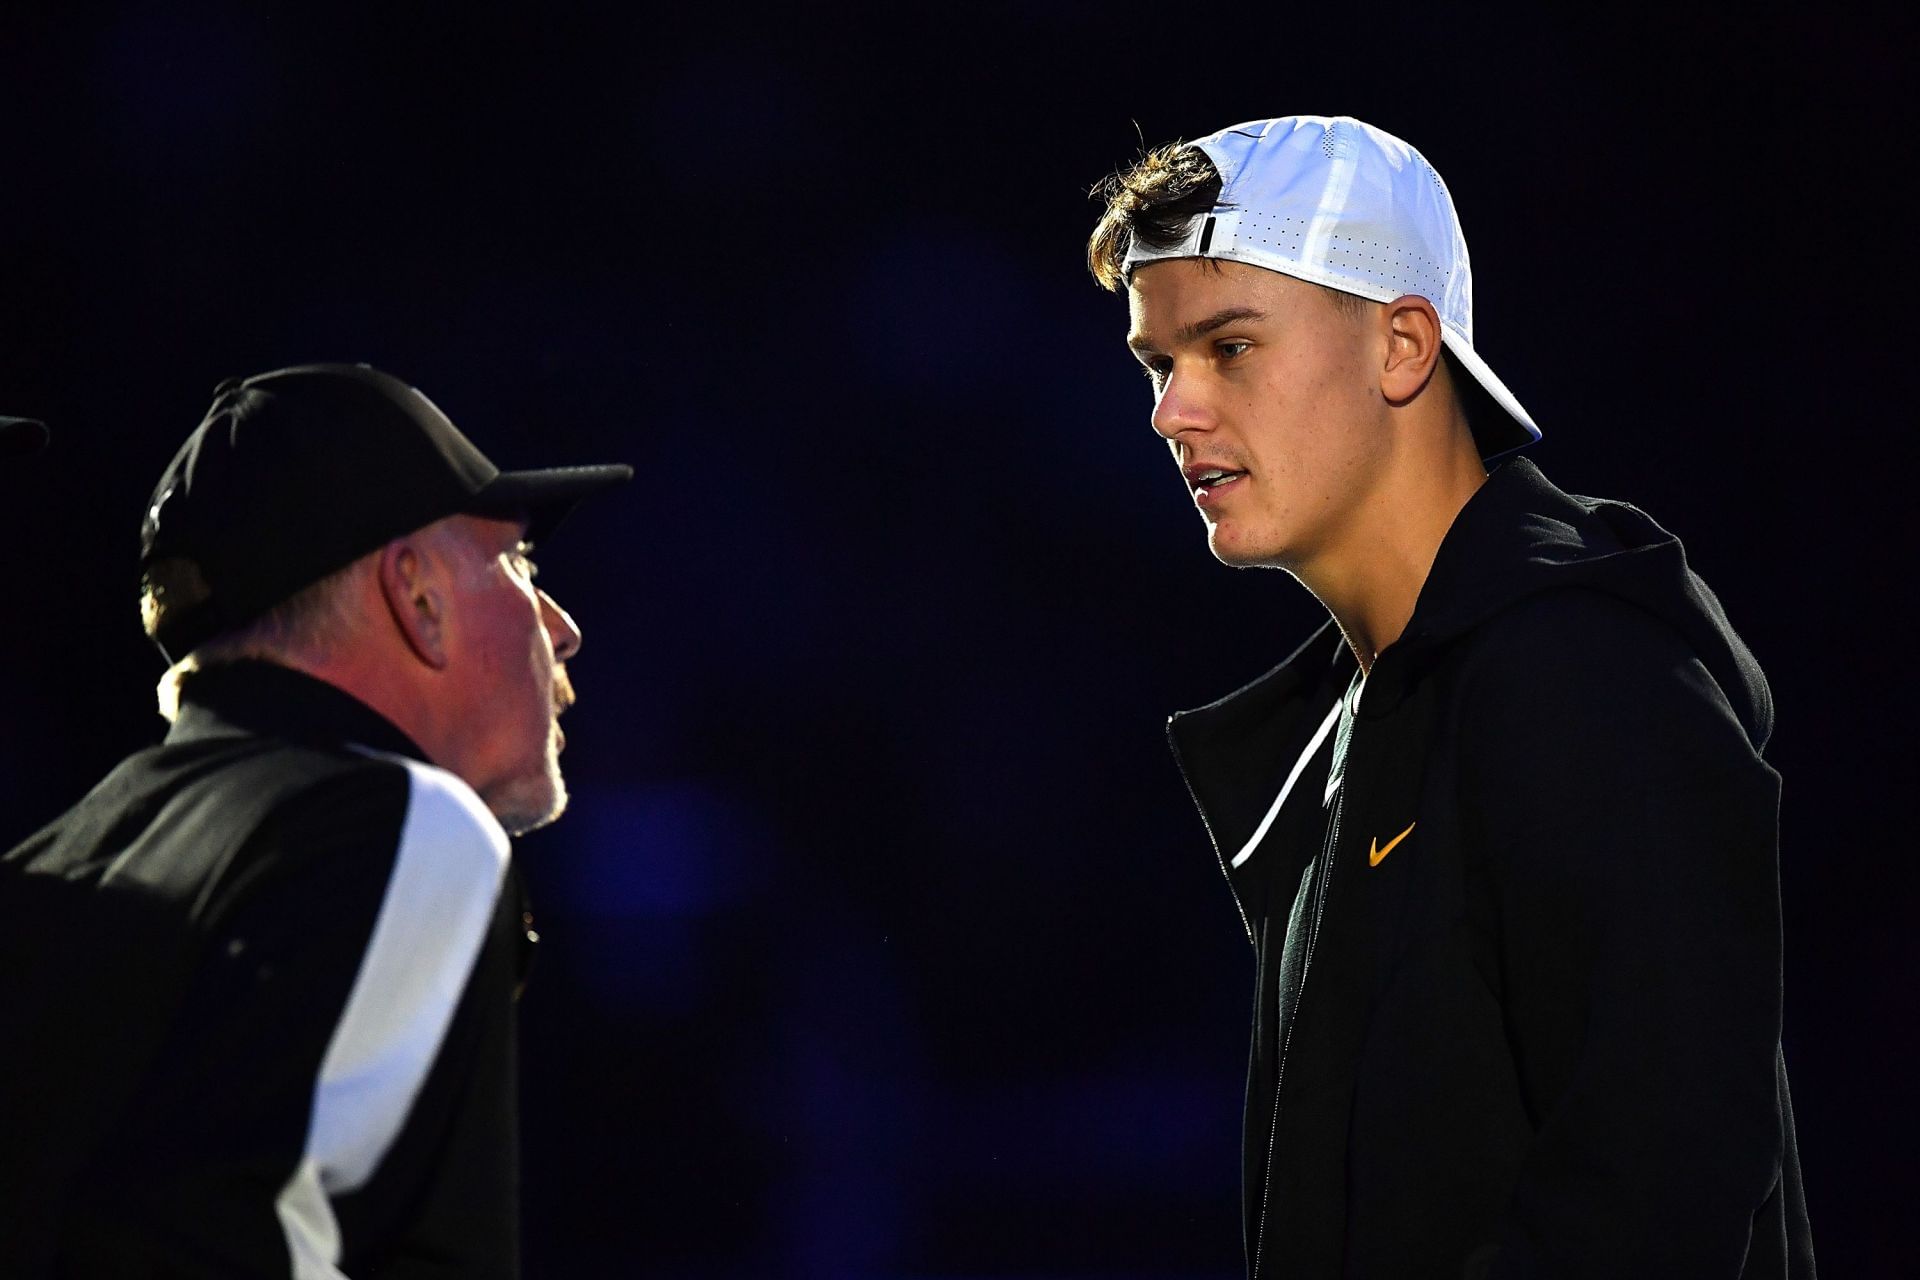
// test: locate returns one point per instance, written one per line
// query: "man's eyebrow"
(1218, 320)
(1201, 328)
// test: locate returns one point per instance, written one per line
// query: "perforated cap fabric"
(1337, 202)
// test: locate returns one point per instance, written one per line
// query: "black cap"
(298, 472)
(21, 436)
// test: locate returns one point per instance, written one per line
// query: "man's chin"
(1250, 544)
(529, 803)
(1236, 555)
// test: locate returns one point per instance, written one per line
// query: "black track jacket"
(256, 1000)
(1540, 1036)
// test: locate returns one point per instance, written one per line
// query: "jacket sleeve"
(334, 950)
(1626, 831)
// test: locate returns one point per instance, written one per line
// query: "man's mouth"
(563, 697)
(1206, 479)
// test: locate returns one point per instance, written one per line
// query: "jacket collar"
(1504, 525)
(1470, 542)
(264, 698)
(1517, 534)
(1518, 517)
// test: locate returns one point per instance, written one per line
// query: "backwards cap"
(1337, 202)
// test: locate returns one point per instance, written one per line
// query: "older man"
(1502, 834)
(260, 981)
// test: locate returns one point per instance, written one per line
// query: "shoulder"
(1575, 628)
(445, 820)
(1577, 680)
(360, 825)
(355, 791)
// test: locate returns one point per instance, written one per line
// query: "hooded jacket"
(1539, 1035)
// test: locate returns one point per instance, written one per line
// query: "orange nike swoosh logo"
(1376, 853)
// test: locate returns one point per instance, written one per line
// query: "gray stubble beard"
(530, 802)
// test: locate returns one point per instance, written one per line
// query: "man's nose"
(1181, 407)
(560, 627)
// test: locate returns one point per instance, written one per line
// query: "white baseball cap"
(1335, 201)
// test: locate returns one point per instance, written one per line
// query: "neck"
(382, 682)
(1370, 580)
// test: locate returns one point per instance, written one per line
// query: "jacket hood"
(1519, 535)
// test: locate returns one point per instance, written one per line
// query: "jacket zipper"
(1323, 883)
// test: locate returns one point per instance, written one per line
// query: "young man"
(258, 985)
(1501, 833)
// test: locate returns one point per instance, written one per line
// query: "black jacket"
(257, 996)
(1540, 1038)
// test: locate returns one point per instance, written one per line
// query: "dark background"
(881, 940)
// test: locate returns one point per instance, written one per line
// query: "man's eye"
(1232, 348)
(1156, 371)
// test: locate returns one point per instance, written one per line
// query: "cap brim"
(1514, 430)
(545, 497)
(20, 437)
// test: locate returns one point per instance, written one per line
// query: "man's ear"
(414, 586)
(1413, 348)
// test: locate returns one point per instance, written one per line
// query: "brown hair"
(1152, 202)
